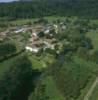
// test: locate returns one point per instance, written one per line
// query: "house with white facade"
(32, 49)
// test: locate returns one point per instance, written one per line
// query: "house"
(19, 30)
(46, 31)
(48, 27)
(63, 27)
(2, 36)
(56, 28)
(34, 34)
(49, 45)
(32, 49)
(28, 49)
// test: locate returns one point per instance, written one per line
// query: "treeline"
(40, 8)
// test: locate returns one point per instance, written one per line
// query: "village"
(41, 36)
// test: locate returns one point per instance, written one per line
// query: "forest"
(40, 8)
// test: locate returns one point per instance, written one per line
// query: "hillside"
(40, 8)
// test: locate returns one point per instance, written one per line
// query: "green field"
(94, 96)
(51, 89)
(5, 65)
(37, 62)
(40, 62)
(25, 21)
(93, 35)
(31, 20)
(47, 90)
(93, 69)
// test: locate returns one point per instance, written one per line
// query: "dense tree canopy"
(39, 8)
(17, 81)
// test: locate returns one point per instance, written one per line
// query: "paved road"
(87, 96)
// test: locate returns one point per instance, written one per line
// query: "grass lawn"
(49, 92)
(24, 21)
(39, 62)
(5, 65)
(93, 68)
(36, 63)
(54, 18)
(94, 21)
(51, 89)
(94, 37)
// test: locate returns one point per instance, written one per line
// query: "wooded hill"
(40, 8)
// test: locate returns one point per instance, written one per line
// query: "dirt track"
(87, 96)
